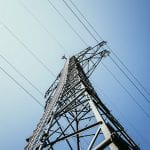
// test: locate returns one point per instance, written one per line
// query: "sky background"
(125, 25)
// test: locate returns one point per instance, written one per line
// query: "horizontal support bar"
(77, 132)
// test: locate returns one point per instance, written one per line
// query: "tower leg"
(105, 130)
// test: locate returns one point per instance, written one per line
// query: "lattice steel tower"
(74, 115)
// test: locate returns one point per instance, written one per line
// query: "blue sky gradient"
(125, 25)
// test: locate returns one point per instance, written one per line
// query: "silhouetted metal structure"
(74, 115)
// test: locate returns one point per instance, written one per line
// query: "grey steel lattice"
(74, 116)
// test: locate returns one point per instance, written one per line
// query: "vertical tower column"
(105, 130)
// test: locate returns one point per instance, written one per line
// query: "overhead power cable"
(71, 27)
(134, 77)
(17, 71)
(35, 99)
(86, 20)
(42, 25)
(29, 50)
(93, 28)
(130, 80)
(80, 20)
(124, 88)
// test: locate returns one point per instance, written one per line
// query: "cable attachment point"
(104, 53)
(102, 43)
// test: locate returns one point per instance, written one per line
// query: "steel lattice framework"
(74, 116)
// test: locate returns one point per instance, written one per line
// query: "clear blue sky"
(124, 24)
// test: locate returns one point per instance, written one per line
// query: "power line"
(75, 6)
(80, 20)
(130, 80)
(71, 27)
(93, 28)
(36, 100)
(135, 78)
(28, 49)
(16, 70)
(115, 78)
(42, 25)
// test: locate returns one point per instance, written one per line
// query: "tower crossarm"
(91, 57)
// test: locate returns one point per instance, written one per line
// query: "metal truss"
(74, 116)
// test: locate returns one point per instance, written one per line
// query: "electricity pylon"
(74, 115)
